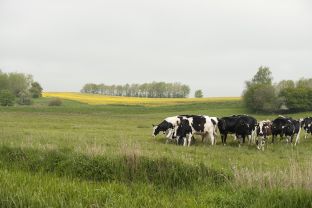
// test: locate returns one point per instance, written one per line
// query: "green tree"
(35, 90)
(6, 98)
(198, 93)
(19, 82)
(4, 82)
(284, 84)
(298, 99)
(263, 76)
(259, 94)
(304, 83)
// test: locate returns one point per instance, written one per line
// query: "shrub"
(55, 102)
(6, 98)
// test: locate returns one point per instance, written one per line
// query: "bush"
(24, 98)
(55, 102)
(6, 98)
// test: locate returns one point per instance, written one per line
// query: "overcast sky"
(214, 45)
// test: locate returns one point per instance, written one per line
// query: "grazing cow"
(200, 125)
(264, 129)
(167, 126)
(307, 126)
(288, 127)
(240, 125)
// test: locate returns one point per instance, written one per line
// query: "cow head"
(307, 125)
(264, 128)
(260, 129)
(221, 124)
(155, 131)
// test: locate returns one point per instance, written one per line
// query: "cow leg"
(249, 139)
(240, 142)
(235, 138)
(203, 138)
(224, 136)
(222, 139)
(298, 137)
(189, 140)
(263, 143)
(184, 141)
(253, 136)
(212, 138)
(288, 138)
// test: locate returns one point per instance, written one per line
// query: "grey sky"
(214, 45)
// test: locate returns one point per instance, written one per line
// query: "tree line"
(261, 94)
(148, 90)
(18, 87)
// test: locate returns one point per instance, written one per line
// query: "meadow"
(82, 155)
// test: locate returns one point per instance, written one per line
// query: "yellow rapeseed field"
(93, 99)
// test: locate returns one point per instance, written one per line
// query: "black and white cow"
(240, 125)
(167, 127)
(264, 130)
(307, 126)
(199, 125)
(288, 127)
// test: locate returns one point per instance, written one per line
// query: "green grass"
(77, 155)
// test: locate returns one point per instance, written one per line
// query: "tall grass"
(293, 176)
(128, 168)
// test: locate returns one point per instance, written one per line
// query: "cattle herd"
(181, 129)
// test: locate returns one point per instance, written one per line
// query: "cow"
(240, 125)
(307, 126)
(199, 125)
(264, 129)
(242, 130)
(288, 127)
(167, 126)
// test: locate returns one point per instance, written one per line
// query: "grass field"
(80, 155)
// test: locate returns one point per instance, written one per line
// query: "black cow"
(307, 126)
(288, 127)
(201, 125)
(240, 125)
